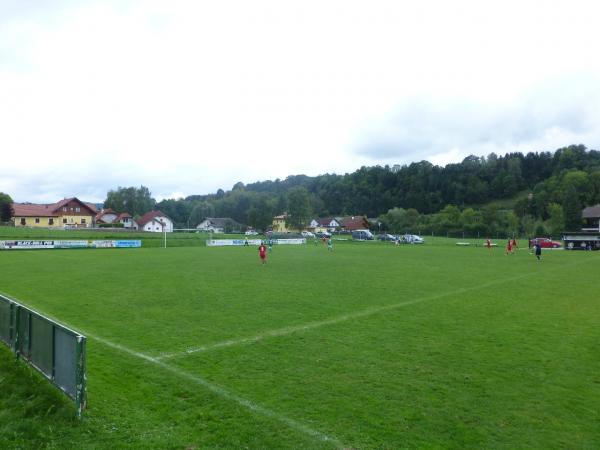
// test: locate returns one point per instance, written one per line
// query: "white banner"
(253, 242)
(298, 241)
(228, 242)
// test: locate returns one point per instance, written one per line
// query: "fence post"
(80, 382)
(17, 337)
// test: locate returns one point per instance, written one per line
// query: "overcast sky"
(186, 97)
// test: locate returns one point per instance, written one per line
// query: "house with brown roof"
(108, 216)
(324, 224)
(155, 221)
(127, 220)
(66, 213)
(354, 223)
(591, 218)
(219, 225)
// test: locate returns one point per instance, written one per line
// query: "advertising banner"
(30, 245)
(297, 241)
(102, 244)
(70, 244)
(253, 242)
(128, 244)
(25, 245)
(228, 242)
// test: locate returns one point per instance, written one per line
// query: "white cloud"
(186, 97)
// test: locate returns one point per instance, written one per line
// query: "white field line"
(224, 393)
(333, 321)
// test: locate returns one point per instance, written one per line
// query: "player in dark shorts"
(262, 252)
(538, 252)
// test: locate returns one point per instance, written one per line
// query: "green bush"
(111, 225)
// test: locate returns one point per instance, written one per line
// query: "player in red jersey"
(262, 252)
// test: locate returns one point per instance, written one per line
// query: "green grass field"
(370, 346)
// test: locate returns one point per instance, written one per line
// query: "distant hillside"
(551, 178)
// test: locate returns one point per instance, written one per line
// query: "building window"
(64, 220)
(50, 221)
(77, 209)
(37, 220)
(83, 221)
(23, 221)
(64, 208)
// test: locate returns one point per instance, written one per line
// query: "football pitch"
(369, 346)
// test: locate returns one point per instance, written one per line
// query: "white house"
(325, 224)
(127, 221)
(155, 221)
(218, 225)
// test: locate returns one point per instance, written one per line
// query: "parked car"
(386, 237)
(544, 243)
(362, 235)
(413, 239)
(322, 234)
(307, 234)
(251, 233)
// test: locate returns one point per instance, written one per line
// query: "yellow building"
(67, 213)
(279, 224)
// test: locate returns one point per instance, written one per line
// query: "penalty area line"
(224, 393)
(334, 320)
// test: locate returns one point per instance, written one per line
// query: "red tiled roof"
(91, 206)
(32, 210)
(49, 210)
(354, 223)
(324, 222)
(149, 216)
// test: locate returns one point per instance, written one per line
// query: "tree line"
(533, 193)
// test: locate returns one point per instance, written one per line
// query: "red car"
(544, 243)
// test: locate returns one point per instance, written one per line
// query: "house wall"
(279, 226)
(156, 227)
(43, 222)
(70, 220)
(204, 225)
(129, 223)
(59, 222)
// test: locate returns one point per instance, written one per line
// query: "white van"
(362, 235)
(413, 239)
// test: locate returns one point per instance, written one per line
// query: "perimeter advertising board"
(35, 244)
(242, 242)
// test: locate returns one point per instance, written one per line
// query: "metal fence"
(56, 351)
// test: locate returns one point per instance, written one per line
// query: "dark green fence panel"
(23, 334)
(66, 362)
(5, 321)
(42, 345)
(58, 352)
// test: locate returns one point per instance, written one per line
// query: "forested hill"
(570, 175)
